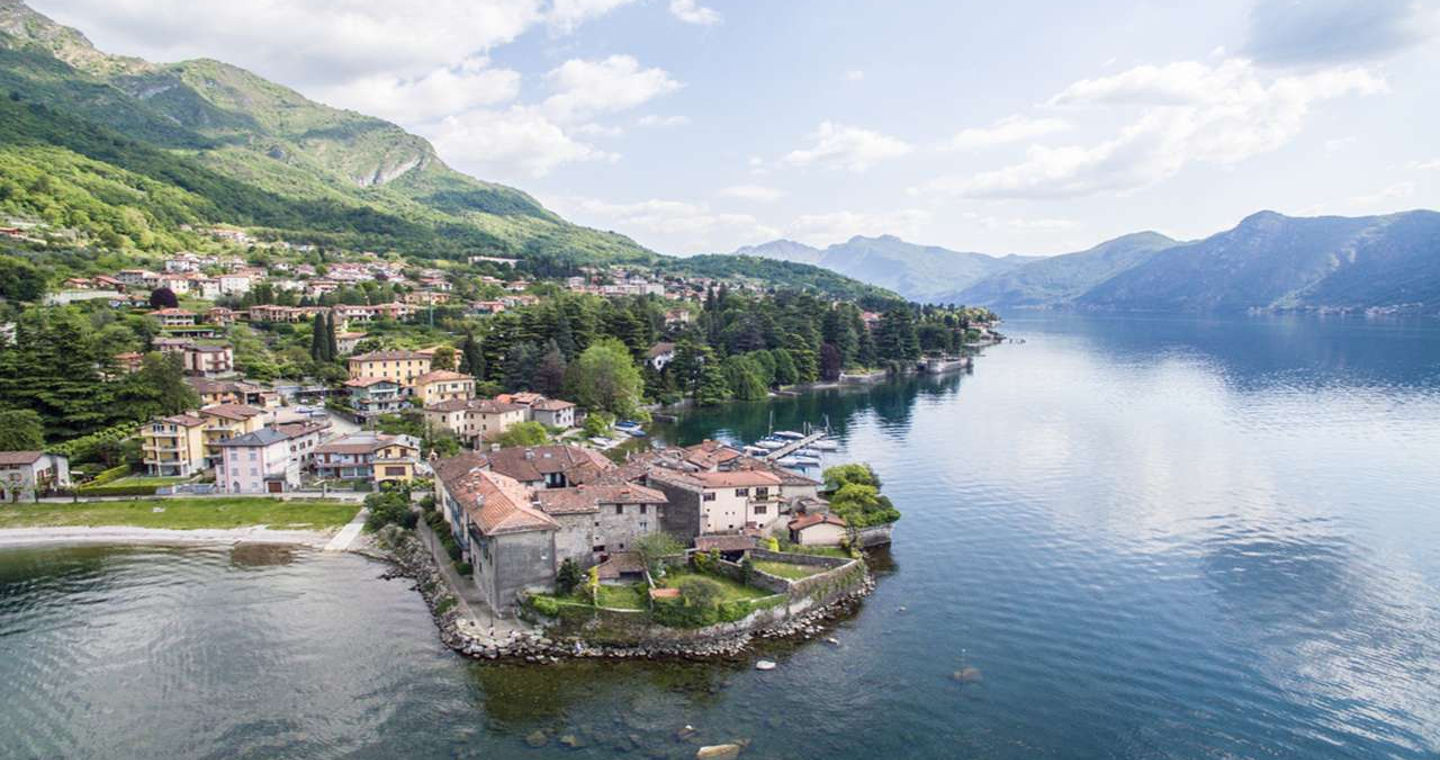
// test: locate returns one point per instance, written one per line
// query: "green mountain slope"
(1060, 279)
(213, 120)
(919, 272)
(768, 272)
(1271, 261)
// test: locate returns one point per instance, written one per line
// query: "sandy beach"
(121, 534)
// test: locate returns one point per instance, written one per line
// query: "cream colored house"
(400, 366)
(474, 420)
(442, 385)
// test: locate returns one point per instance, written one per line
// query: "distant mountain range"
(1267, 262)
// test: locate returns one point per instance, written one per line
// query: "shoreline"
(128, 535)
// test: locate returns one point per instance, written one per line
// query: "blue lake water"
(1153, 538)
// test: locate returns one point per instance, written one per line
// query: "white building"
(258, 462)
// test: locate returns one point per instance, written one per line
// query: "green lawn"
(184, 514)
(788, 570)
(819, 551)
(145, 480)
(734, 591)
(631, 597)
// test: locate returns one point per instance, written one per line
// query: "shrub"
(700, 592)
(463, 568)
(107, 476)
(544, 605)
(445, 604)
(568, 577)
(389, 507)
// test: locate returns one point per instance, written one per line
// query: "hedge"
(114, 490)
(106, 476)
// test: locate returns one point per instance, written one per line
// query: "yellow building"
(174, 446)
(366, 456)
(401, 366)
(442, 385)
(224, 421)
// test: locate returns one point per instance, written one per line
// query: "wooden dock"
(794, 446)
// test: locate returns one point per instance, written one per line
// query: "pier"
(793, 446)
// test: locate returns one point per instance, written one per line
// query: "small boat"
(790, 434)
(825, 444)
(603, 443)
(627, 424)
(797, 462)
(635, 433)
(806, 461)
(812, 453)
(755, 451)
(770, 444)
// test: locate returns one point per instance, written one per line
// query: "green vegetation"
(389, 506)
(729, 590)
(184, 514)
(628, 597)
(857, 496)
(522, 434)
(787, 569)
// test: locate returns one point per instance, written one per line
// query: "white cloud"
(845, 147)
(854, 75)
(692, 12)
(758, 193)
(1010, 129)
(1337, 144)
(565, 15)
(827, 228)
(303, 44)
(1017, 223)
(670, 225)
(1387, 195)
(442, 92)
(617, 83)
(1188, 112)
(1430, 165)
(660, 122)
(514, 143)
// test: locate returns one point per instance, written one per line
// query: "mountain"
(1271, 261)
(917, 272)
(228, 146)
(1061, 279)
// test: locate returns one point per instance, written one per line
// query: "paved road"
(472, 602)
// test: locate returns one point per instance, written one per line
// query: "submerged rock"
(718, 752)
(537, 739)
(967, 675)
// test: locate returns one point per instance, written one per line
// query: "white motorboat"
(790, 434)
(771, 445)
(825, 444)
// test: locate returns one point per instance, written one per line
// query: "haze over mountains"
(1268, 261)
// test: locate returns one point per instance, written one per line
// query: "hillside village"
(513, 396)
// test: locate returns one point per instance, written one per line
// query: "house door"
(275, 486)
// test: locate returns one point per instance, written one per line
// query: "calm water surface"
(1164, 538)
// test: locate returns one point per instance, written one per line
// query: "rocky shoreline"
(412, 560)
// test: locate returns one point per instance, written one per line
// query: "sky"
(1020, 127)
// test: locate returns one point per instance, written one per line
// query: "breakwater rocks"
(412, 560)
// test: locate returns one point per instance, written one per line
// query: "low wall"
(791, 598)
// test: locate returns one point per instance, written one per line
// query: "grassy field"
(819, 551)
(144, 480)
(733, 591)
(631, 597)
(184, 514)
(787, 570)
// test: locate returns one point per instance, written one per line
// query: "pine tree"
(550, 373)
(332, 340)
(318, 343)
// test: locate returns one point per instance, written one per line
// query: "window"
(709, 496)
(762, 492)
(644, 525)
(619, 509)
(598, 548)
(643, 507)
(760, 509)
(742, 492)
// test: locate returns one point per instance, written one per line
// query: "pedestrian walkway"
(471, 602)
(349, 533)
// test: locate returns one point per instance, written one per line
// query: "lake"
(1148, 537)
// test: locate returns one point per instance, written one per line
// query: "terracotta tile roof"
(19, 457)
(588, 498)
(360, 443)
(724, 543)
(620, 564)
(530, 463)
(188, 420)
(660, 349)
(738, 479)
(440, 376)
(815, 518)
(525, 398)
(551, 405)
(495, 503)
(232, 411)
(375, 356)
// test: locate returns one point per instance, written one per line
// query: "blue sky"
(1029, 127)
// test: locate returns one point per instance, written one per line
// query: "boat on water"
(791, 462)
(789, 434)
(825, 444)
(755, 451)
(804, 461)
(768, 444)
